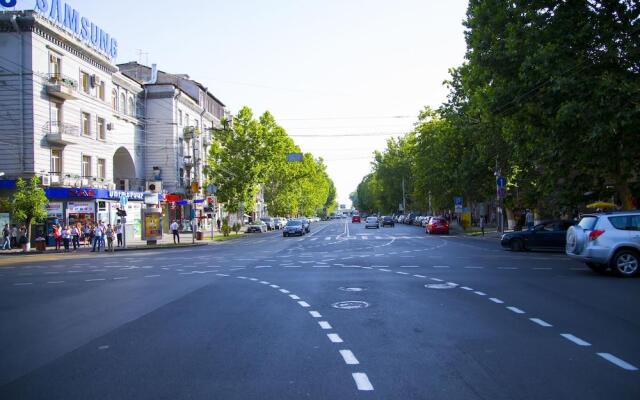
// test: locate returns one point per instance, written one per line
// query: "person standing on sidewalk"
(6, 235)
(174, 231)
(529, 219)
(66, 237)
(119, 229)
(57, 236)
(218, 223)
(14, 236)
(110, 236)
(482, 224)
(97, 237)
(75, 237)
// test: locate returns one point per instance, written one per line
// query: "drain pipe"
(21, 157)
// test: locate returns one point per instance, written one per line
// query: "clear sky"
(325, 69)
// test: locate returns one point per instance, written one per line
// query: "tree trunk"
(624, 192)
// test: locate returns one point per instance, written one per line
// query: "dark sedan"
(388, 221)
(550, 235)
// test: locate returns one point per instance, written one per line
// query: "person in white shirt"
(119, 229)
(174, 231)
(97, 237)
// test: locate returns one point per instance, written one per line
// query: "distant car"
(607, 240)
(279, 223)
(425, 221)
(388, 221)
(372, 222)
(549, 235)
(355, 219)
(306, 224)
(437, 225)
(294, 227)
(270, 222)
(257, 226)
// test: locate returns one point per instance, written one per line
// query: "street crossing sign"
(124, 200)
(457, 202)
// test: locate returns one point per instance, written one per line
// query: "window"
(101, 91)
(56, 161)
(179, 117)
(102, 168)
(626, 223)
(186, 118)
(85, 83)
(56, 114)
(86, 124)
(55, 65)
(123, 103)
(197, 124)
(180, 147)
(102, 134)
(132, 109)
(86, 166)
(114, 99)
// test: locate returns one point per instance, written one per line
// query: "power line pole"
(404, 200)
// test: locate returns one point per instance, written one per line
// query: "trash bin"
(41, 245)
(198, 235)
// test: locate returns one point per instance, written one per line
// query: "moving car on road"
(355, 219)
(437, 225)
(294, 227)
(386, 220)
(371, 222)
(549, 235)
(607, 240)
(257, 226)
(270, 222)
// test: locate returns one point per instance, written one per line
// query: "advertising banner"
(151, 225)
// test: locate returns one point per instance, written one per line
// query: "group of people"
(95, 235)
(13, 237)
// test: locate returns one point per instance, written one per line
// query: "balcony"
(188, 132)
(61, 134)
(62, 87)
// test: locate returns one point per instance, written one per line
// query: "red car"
(438, 225)
(355, 218)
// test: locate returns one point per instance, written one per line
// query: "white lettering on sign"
(116, 194)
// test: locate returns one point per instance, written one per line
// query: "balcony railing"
(62, 87)
(61, 134)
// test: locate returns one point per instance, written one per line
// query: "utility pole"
(430, 209)
(404, 201)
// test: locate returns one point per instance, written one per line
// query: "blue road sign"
(501, 182)
(124, 200)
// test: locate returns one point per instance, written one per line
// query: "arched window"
(123, 103)
(114, 99)
(132, 108)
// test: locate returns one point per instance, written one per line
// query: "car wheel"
(626, 263)
(599, 268)
(516, 245)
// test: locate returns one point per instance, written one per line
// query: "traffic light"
(121, 213)
(209, 207)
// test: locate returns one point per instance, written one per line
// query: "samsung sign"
(82, 27)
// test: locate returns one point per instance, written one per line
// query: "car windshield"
(372, 219)
(588, 222)
(294, 223)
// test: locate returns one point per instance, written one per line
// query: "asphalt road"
(341, 313)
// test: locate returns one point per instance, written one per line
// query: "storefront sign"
(80, 207)
(89, 193)
(80, 26)
(117, 194)
(54, 210)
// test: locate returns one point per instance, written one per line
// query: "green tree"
(29, 202)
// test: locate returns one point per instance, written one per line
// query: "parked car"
(279, 223)
(355, 219)
(401, 218)
(425, 221)
(257, 226)
(294, 227)
(549, 235)
(306, 224)
(607, 241)
(438, 225)
(386, 220)
(269, 222)
(372, 222)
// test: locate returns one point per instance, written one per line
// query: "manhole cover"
(350, 305)
(440, 286)
(352, 289)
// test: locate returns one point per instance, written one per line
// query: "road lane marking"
(508, 268)
(264, 282)
(262, 266)
(497, 301)
(436, 280)
(315, 314)
(542, 269)
(334, 337)
(474, 267)
(575, 339)
(620, 363)
(384, 269)
(515, 310)
(402, 273)
(540, 322)
(479, 293)
(285, 291)
(349, 357)
(441, 266)
(151, 276)
(304, 304)
(274, 286)
(117, 278)
(294, 297)
(466, 288)
(95, 280)
(251, 279)
(324, 325)
(419, 276)
(362, 381)
(409, 266)
(23, 284)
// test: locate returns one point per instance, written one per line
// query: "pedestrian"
(174, 231)
(119, 230)
(529, 219)
(23, 238)
(66, 237)
(87, 234)
(57, 236)
(110, 234)
(75, 237)
(97, 237)
(14, 236)
(482, 224)
(218, 222)
(6, 238)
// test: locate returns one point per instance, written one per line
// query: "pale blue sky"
(359, 60)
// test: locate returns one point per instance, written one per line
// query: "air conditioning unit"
(123, 184)
(154, 186)
(84, 182)
(55, 179)
(45, 180)
(110, 126)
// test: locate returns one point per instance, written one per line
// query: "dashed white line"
(95, 280)
(285, 291)
(409, 266)
(384, 269)
(264, 282)
(151, 276)
(402, 273)
(362, 381)
(335, 338)
(479, 293)
(620, 363)
(324, 325)
(441, 266)
(253, 279)
(436, 280)
(294, 297)
(23, 284)
(540, 322)
(274, 286)
(515, 310)
(474, 267)
(304, 304)
(117, 278)
(497, 301)
(315, 314)
(466, 288)
(419, 276)
(575, 339)
(349, 357)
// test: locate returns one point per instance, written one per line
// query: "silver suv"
(607, 240)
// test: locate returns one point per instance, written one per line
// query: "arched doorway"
(124, 170)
